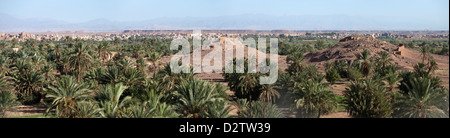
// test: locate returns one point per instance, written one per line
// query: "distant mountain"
(254, 22)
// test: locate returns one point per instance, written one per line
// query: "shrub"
(332, 76)
(367, 99)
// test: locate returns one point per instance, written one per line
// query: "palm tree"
(4, 83)
(137, 50)
(125, 64)
(248, 84)
(111, 75)
(111, 101)
(367, 99)
(4, 65)
(432, 66)
(153, 98)
(153, 109)
(133, 77)
(30, 82)
(144, 110)
(269, 93)
(332, 75)
(384, 59)
(102, 50)
(86, 109)
(258, 110)
(195, 95)
(329, 65)
(7, 101)
(164, 110)
(47, 70)
(66, 93)
(37, 61)
(80, 60)
(170, 80)
(364, 61)
(422, 101)
(425, 50)
(392, 79)
(14, 42)
(68, 40)
(421, 70)
(296, 61)
(117, 41)
(219, 109)
(154, 57)
(312, 99)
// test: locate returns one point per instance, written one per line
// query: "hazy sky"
(135, 10)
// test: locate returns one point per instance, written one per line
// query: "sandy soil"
(26, 110)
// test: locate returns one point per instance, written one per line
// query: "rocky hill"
(350, 46)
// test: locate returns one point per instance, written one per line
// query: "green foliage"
(367, 99)
(112, 100)
(66, 93)
(422, 101)
(29, 85)
(365, 64)
(313, 99)
(219, 109)
(169, 80)
(7, 101)
(392, 80)
(80, 60)
(66, 71)
(245, 85)
(420, 71)
(332, 76)
(194, 97)
(354, 74)
(258, 109)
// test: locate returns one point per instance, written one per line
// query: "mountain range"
(253, 22)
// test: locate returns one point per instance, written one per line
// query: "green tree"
(7, 101)
(154, 57)
(169, 80)
(422, 101)
(258, 110)
(425, 51)
(65, 94)
(312, 99)
(219, 109)
(432, 66)
(29, 85)
(80, 60)
(111, 100)
(102, 50)
(14, 42)
(384, 59)
(392, 79)
(296, 61)
(332, 76)
(365, 62)
(269, 93)
(195, 96)
(367, 99)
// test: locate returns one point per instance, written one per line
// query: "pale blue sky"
(135, 10)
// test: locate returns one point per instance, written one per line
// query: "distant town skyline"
(357, 14)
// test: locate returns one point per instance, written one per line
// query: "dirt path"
(26, 110)
(337, 115)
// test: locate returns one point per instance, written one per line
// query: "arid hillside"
(348, 48)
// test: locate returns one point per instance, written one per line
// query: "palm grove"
(78, 78)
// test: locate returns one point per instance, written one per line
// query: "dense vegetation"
(124, 79)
